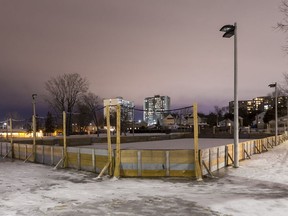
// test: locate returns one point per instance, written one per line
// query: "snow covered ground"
(258, 187)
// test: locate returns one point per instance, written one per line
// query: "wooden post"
(52, 155)
(218, 155)
(19, 155)
(11, 140)
(109, 140)
(34, 137)
(167, 156)
(196, 153)
(118, 133)
(93, 160)
(139, 163)
(79, 159)
(64, 140)
(25, 151)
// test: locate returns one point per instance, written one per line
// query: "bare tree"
(93, 103)
(283, 25)
(64, 92)
(283, 87)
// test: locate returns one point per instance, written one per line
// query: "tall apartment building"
(127, 107)
(261, 104)
(155, 109)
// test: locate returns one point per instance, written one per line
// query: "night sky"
(139, 48)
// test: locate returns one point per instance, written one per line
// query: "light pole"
(34, 96)
(231, 30)
(286, 115)
(274, 85)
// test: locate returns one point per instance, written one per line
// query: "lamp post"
(274, 85)
(34, 96)
(286, 115)
(231, 30)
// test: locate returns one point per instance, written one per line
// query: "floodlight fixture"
(229, 31)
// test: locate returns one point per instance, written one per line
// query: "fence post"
(65, 140)
(196, 153)
(11, 139)
(167, 163)
(52, 155)
(218, 156)
(34, 137)
(109, 140)
(25, 151)
(19, 151)
(93, 160)
(79, 159)
(43, 155)
(139, 163)
(118, 151)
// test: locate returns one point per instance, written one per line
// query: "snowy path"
(258, 187)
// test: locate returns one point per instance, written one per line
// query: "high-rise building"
(155, 109)
(243, 104)
(126, 107)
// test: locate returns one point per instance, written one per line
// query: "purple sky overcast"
(139, 48)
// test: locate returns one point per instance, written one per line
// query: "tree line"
(69, 93)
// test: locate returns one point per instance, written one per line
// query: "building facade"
(126, 107)
(261, 104)
(155, 109)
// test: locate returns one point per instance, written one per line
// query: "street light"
(34, 96)
(274, 85)
(231, 30)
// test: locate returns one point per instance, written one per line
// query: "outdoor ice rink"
(258, 187)
(187, 143)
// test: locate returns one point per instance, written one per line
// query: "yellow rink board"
(129, 156)
(48, 149)
(181, 156)
(153, 157)
(241, 151)
(145, 163)
(23, 151)
(157, 163)
(230, 151)
(214, 158)
(153, 163)
(86, 160)
(153, 173)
